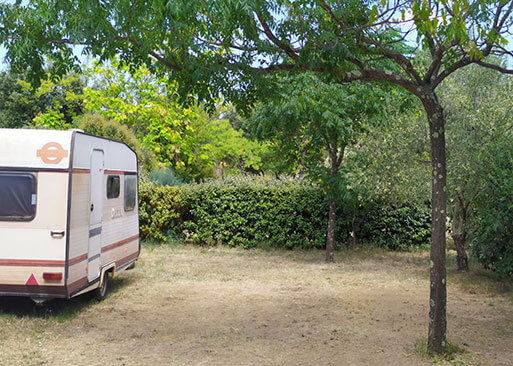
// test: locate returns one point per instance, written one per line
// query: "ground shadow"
(59, 309)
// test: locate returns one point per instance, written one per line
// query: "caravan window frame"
(33, 180)
(129, 177)
(112, 190)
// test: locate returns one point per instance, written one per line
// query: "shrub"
(165, 177)
(395, 227)
(247, 213)
(97, 124)
(493, 236)
(264, 212)
(159, 211)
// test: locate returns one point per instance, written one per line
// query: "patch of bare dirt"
(194, 306)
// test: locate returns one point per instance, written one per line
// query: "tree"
(18, 104)
(228, 46)
(491, 242)
(478, 108)
(317, 119)
(391, 162)
(187, 138)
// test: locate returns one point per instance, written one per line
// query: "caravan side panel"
(119, 228)
(32, 246)
(79, 230)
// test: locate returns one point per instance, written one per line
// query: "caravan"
(68, 212)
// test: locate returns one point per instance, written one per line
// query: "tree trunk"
(459, 234)
(459, 243)
(354, 229)
(330, 239)
(438, 290)
(336, 157)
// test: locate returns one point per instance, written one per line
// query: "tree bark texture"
(459, 235)
(330, 246)
(336, 157)
(438, 290)
(462, 257)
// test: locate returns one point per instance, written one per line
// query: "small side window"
(113, 186)
(130, 192)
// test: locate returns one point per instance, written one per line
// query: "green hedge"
(265, 212)
(395, 227)
(160, 211)
(248, 213)
(492, 240)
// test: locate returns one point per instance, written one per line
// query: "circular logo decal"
(52, 153)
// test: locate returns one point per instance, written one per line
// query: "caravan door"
(95, 215)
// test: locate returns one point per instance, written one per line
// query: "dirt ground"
(198, 306)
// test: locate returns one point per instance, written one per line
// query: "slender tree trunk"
(354, 229)
(438, 290)
(336, 157)
(462, 258)
(330, 239)
(459, 235)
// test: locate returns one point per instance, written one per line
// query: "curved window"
(18, 196)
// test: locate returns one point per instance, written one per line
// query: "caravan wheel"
(101, 292)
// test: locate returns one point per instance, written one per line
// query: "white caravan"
(68, 212)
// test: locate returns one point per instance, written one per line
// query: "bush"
(96, 124)
(493, 236)
(159, 211)
(248, 213)
(165, 177)
(265, 212)
(397, 228)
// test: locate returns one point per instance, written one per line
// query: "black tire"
(132, 266)
(101, 292)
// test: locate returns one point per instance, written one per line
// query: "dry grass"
(186, 305)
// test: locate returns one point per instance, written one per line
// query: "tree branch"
(494, 67)
(267, 31)
(371, 73)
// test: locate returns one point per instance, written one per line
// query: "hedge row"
(269, 212)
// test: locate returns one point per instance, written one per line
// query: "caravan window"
(113, 186)
(130, 192)
(17, 196)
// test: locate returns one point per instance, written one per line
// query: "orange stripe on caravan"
(78, 259)
(83, 257)
(118, 172)
(83, 171)
(119, 243)
(30, 263)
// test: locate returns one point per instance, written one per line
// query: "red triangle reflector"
(31, 281)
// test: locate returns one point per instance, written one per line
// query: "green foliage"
(392, 161)
(53, 120)
(308, 119)
(195, 144)
(247, 213)
(184, 137)
(96, 124)
(159, 211)
(266, 212)
(53, 105)
(165, 177)
(63, 101)
(18, 104)
(491, 242)
(395, 227)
